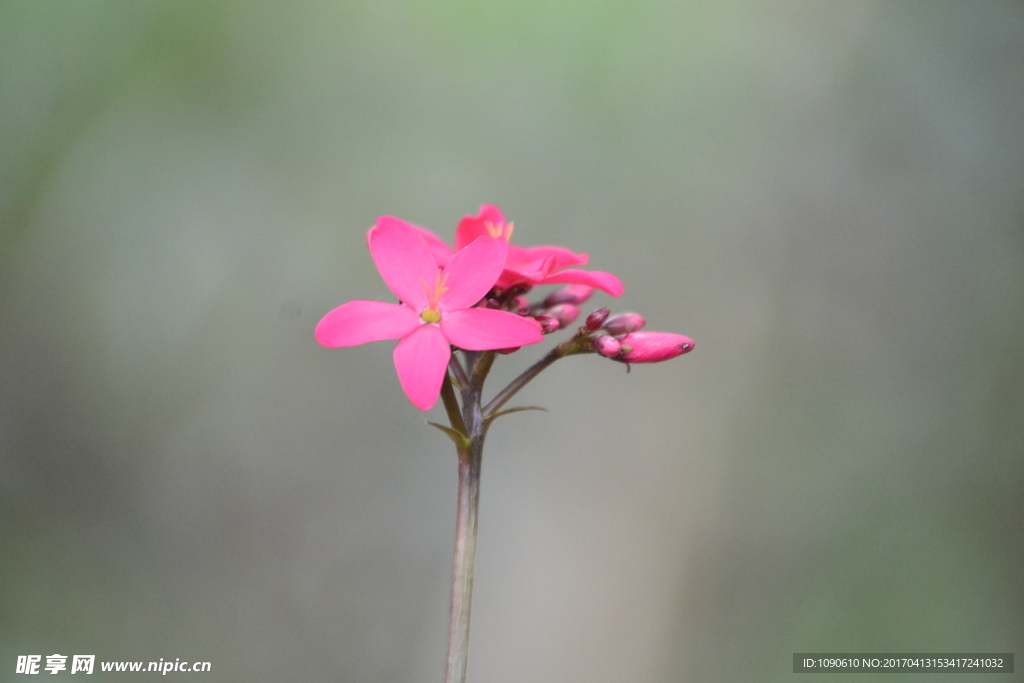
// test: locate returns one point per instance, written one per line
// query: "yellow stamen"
(500, 229)
(431, 314)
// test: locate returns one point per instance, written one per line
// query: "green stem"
(451, 405)
(456, 368)
(472, 424)
(465, 559)
(570, 347)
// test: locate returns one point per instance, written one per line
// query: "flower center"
(500, 229)
(431, 313)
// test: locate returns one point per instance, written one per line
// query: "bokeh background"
(827, 196)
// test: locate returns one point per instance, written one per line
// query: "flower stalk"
(468, 429)
(465, 561)
(577, 344)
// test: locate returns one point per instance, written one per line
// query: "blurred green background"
(827, 196)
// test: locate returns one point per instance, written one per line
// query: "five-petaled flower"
(524, 266)
(437, 308)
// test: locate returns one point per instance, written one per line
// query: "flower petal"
(595, 278)
(480, 329)
(521, 263)
(359, 322)
(472, 227)
(473, 271)
(560, 257)
(421, 360)
(441, 251)
(511, 279)
(404, 260)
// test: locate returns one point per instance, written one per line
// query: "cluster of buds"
(620, 337)
(652, 347)
(560, 309)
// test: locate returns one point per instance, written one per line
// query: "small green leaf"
(460, 440)
(509, 411)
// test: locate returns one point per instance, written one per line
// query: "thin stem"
(477, 367)
(521, 381)
(451, 405)
(483, 366)
(465, 559)
(570, 347)
(472, 423)
(460, 375)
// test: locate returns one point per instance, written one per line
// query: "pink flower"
(653, 347)
(436, 308)
(533, 266)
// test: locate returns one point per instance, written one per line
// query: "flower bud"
(608, 347)
(573, 294)
(565, 314)
(653, 347)
(517, 290)
(596, 319)
(548, 324)
(520, 304)
(624, 323)
(505, 352)
(491, 303)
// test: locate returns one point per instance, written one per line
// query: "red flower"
(437, 308)
(524, 266)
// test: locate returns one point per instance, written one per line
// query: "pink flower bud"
(596, 319)
(653, 347)
(505, 352)
(491, 303)
(548, 324)
(624, 323)
(565, 314)
(573, 294)
(519, 304)
(607, 346)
